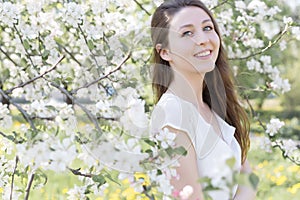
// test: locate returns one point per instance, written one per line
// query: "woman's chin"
(205, 69)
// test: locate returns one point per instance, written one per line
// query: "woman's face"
(193, 42)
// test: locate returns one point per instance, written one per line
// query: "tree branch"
(220, 4)
(29, 186)
(103, 76)
(264, 127)
(37, 77)
(71, 55)
(86, 42)
(142, 7)
(23, 112)
(13, 178)
(22, 42)
(73, 99)
(78, 173)
(9, 58)
(270, 45)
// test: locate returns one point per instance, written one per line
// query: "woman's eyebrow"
(191, 25)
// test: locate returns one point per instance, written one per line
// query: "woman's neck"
(189, 88)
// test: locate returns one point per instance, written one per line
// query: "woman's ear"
(163, 52)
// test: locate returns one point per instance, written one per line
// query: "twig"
(78, 173)
(22, 42)
(297, 162)
(73, 99)
(142, 7)
(29, 186)
(23, 112)
(264, 127)
(71, 55)
(220, 4)
(37, 77)
(13, 178)
(4, 135)
(86, 42)
(103, 76)
(9, 58)
(108, 118)
(254, 113)
(270, 45)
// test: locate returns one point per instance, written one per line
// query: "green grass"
(279, 178)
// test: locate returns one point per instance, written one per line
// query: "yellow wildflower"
(280, 180)
(294, 188)
(294, 168)
(278, 169)
(65, 190)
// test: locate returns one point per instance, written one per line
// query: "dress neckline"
(227, 131)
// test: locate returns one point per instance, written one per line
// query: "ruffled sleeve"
(171, 111)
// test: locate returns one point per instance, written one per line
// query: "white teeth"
(204, 53)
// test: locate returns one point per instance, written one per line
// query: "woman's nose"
(201, 39)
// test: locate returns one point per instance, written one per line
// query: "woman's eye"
(187, 33)
(208, 28)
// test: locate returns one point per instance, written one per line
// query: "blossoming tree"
(75, 90)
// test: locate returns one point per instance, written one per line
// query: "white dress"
(211, 149)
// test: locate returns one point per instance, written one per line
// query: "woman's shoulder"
(171, 111)
(168, 107)
(169, 100)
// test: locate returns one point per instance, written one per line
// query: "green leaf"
(11, 138)
(99, 179)
(26, 44)
(230, 162)
(91, 44)
(254, 180)
(45, 54)
(180, 151)
(159, 172)
(59, 40)
(113, 180)
(151, 143)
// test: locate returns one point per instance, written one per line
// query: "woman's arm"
(245, 192)
(188, 170)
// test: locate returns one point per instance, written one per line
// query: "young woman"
(196, 99)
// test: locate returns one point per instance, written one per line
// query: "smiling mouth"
(203, 53)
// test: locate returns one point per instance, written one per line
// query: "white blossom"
(77, 192)
(254, 43)
(289, 146)
(16, 193)
(254, 65)
(5, 118)
(240, 4)
(9, 13)
(280, 84)
(274, 126)
(273, 11)
(287, 20)
(186, 192)
(296, 31)
(34, 156)
(166, 138)
(34, 6)
(62, 155)
(74, 13)
(257, 6)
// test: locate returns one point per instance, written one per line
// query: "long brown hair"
(225, 99)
